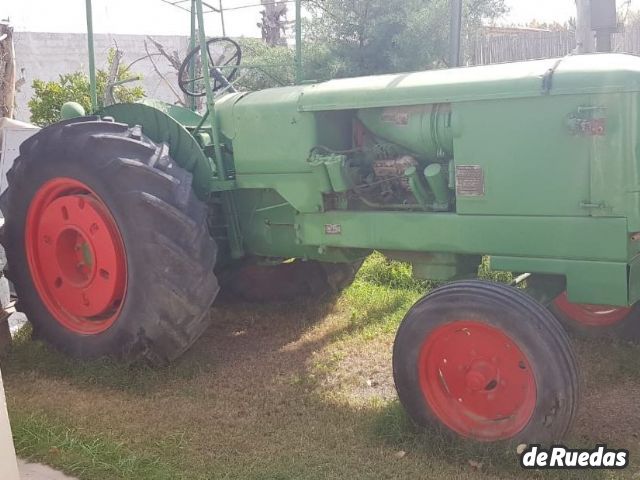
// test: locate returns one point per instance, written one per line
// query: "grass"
(301, 391)
(80, 453)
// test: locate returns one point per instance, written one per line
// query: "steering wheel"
(224, 56)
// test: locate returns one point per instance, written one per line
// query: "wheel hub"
(477, 380)
(480, 376)
(76, 256)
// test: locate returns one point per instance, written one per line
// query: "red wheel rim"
(591, 315)
(76, 256)
(477, 380)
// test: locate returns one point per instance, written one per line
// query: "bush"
(485, 273)
(378, 270)
(49, 97)
(275, 66)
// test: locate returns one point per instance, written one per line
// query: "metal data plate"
(332, 229)
(469, 181)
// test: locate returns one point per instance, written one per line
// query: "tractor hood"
(599, 73)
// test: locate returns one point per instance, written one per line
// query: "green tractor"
(122, 226)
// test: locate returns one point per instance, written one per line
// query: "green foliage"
(485, 273)
(275, 66)
(372, 37)
(378, 270)
(345, 38)
(48, 97)
(83, 454)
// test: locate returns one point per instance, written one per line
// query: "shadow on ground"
(251, 400)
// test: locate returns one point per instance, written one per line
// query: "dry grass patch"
(282, 392)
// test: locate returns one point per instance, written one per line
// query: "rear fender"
(161, 127)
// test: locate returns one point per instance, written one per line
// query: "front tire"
(106, 243)
(484, 361)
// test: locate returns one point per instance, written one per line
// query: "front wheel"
(106, 243)
(486, 362)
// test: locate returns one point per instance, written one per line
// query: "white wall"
(8, 465)
(46, 55)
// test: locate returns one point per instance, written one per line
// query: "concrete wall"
(46, 55)
(8, 465)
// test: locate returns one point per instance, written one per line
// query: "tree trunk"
(274, 21)
(7, 71)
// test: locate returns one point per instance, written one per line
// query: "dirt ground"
(301, 391)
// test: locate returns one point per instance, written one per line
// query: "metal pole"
(603, 41)
(92, 58)
(224, 32)
(204, 58)
(455, 33)
(584, 34)
(228, 203)
(192, 45)
(299, 75)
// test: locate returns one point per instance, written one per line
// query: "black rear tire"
(286, 282)
(170, 255)
(536, 353)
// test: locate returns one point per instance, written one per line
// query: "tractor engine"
(390, 178)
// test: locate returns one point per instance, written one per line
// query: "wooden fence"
(489, 47)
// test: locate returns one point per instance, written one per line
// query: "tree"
(380, 36)
(274, 22)
(49, 97)
(7, 71)
(275, 66)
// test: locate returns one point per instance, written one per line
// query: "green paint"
(588, 281)
(417, 188)
(604, 239)
(591, 252)
(86, 255)
(574, 75)
(160, 126)
(299, 72)
(268, 223)
(204, 59)
(185, 117)
(423, 129)
(92, 57)
(320, 173)
(536, 164)
(438, 184)
(71, 110)
(533, 191)
(192, 45)
(294, 188)
(337, 173)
